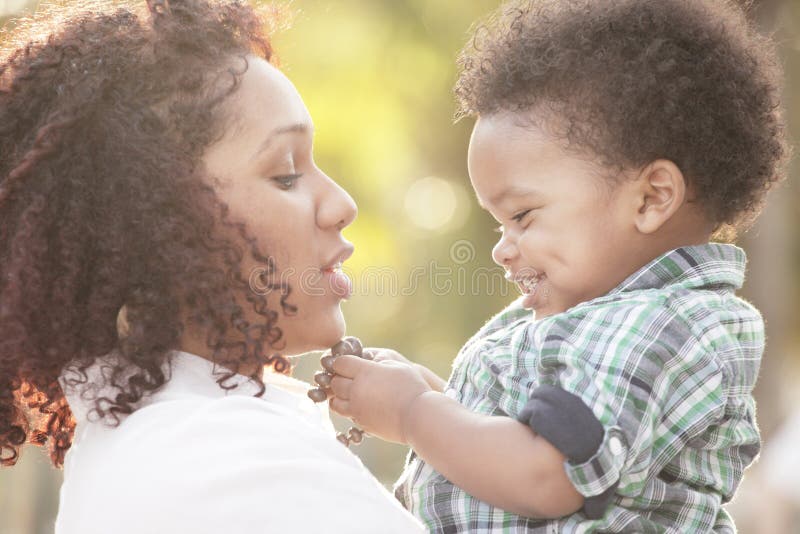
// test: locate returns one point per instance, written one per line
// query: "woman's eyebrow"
(299, 127)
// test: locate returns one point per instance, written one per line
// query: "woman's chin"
(321, 334)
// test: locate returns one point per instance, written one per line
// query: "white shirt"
(198, 459)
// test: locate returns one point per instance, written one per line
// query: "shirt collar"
(188, 375)
(711, 265)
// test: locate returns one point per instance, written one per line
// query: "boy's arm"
(495, 459)
(434, 381)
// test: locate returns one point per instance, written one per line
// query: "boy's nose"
(504, 252)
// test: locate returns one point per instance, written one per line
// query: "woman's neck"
(193, 341)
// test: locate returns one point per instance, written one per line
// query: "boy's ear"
(660, 191)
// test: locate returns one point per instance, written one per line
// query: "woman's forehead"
(266, 100)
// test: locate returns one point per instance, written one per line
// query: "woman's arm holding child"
(496, 459)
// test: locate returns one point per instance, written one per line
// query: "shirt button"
(615, 446)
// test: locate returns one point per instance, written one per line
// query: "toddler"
(615, 143)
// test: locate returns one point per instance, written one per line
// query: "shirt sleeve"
(620, 394)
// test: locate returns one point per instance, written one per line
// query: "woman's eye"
(286, 182)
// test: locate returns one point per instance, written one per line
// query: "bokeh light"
(430, 203)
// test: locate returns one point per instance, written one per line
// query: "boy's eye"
(286, 182)
(521, 215)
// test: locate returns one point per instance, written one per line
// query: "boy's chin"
(542, 310)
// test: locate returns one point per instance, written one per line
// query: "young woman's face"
(566, 237)
(268, 178)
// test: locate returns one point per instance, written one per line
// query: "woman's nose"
(504, 252)
(337, 208)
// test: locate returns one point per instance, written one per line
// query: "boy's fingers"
(341, 387)
(340, 406)
(348, 366)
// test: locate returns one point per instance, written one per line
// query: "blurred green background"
(377, 76)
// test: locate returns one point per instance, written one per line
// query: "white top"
(198, 459)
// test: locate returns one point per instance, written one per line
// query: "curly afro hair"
(105, 209)
(632, 81)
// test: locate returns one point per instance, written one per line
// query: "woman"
(165, 235)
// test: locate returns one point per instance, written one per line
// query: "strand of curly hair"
(104, 207)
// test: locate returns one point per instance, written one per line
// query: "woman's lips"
(338, 281)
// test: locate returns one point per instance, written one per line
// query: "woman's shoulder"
(200, 436)
(239, 463)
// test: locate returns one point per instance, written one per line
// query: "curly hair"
(105, 208)
(632, 81)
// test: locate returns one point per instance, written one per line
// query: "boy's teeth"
(528, 285)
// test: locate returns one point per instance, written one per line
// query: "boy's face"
(567, 233)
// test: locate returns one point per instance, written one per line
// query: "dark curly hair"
(105, 209)
(632, 81)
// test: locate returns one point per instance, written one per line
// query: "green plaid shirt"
(666, 362)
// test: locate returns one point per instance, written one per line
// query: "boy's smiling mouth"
(527, 280)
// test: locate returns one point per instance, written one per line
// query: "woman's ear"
(660, 192)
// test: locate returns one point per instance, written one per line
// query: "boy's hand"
(377, 395)
(381, 355)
